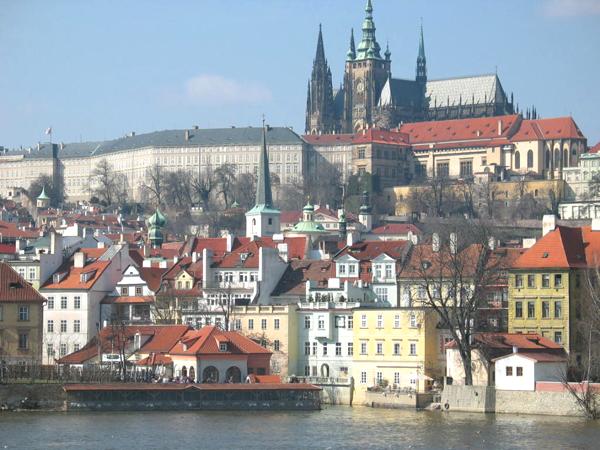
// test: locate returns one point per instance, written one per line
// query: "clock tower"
(365, 74)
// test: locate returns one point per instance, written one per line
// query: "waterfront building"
(487, 347)
(21, 309)
(547, 284)
(74, 293)
(370, 96)
(522, 371)
(274, 327)
(395, 349)
(212, 355)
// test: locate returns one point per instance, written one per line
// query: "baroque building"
(370, 96)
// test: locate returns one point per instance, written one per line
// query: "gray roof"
(398, 92)
(477, 89)
(168, 138)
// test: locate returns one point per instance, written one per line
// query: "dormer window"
(223, 346)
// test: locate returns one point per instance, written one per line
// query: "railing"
(34, 373)
(319, 380)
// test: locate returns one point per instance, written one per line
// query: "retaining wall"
(468, 398)
(42, 396)
(397, 400)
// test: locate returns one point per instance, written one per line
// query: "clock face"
(360, 87)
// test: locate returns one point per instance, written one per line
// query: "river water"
(333, 427)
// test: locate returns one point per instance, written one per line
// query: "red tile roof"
(13, 288)
(368, 250)
(595, 148)
(152, 276)
(293, 281)
(396, 228)
(205, 341)
(155, 360)
(73, 278)
(372, 135)
(296, 250)
(477, 129)
(113, 300)
(7, 248)
(10, 231)
(554, 128)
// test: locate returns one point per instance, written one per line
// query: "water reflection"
(334, 427)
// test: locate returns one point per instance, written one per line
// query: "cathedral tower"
(421, 61)
(365, 75)
(320, 114)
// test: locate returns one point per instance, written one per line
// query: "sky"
(95, 70)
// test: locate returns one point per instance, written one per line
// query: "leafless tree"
(109, 186)
(486, 195)
(120, 339)
(178, 189)
(225, 180)
(245, 190)
(154, 183)
(203, 183)
(164, 308)
(455, 279)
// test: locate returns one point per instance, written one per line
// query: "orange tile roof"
(296, 250)
(293, 281)
(152, 276)
(155, 360)
(205, 341)
(563, 248)
(13, 288)
(114, 300)
(396, 228)
(10, 231)
(553, 128)
(72, 279)
(595, 148)
(461, 129)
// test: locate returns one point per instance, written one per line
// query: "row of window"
(63, 326)
(531, 309)
(546, 278)
(23, 337)
(125, 290)
(237, 324)
(397, 348)
(63, 349)
(413, 322)
(379, 378)
(64, 302)
(31, 273)
(325, 349)
(22, 313)
(340, 322)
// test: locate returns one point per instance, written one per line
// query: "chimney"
(548, 224)
(229, 242)
(500, 127)
(194, 257)
(187, 135)
(435, 242)
(53, 242)
(492, 243)
(18, 244)
(175, 259)
(79, 260)
(350, 239)
(515, 349)
(453, 243)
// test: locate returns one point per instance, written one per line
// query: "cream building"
(579, 200)
(194, 150)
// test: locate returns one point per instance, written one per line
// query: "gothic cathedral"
(370, 97)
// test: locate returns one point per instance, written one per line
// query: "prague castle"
(371, 97)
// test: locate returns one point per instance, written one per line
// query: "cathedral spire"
(421, 60)
(320, 56)
(351, 55)
(368, 42)
(263, 184)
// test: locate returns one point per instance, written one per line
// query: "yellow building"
(274, 327)
(547, 285)
(396, 348)
(20, 319)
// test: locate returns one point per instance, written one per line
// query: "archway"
(210, 375)
(325, 371)
(557, 158)
(184, 371)
(192, 374)
(233, 375)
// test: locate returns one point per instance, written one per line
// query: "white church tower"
(264, 218)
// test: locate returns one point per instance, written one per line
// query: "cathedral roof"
(398, 92)
(468, 90)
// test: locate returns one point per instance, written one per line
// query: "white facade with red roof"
(521, 371)
(74, 293)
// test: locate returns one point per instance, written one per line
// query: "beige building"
(21, 309)
(195, 150)
(274, 327)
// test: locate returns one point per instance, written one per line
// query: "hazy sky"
(99, 69)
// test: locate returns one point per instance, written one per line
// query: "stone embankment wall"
(33, 396)
(336, 393)
(397, 400)
(488, 399)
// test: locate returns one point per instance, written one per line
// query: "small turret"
(156, 222)
(364, 214)
(351, 55)
(43, 201)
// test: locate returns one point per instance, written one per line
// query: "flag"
(49, 130)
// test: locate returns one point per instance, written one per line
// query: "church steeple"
(421, 60)
(368, 47)
(263, 185)
(264, 218)
(320, 56)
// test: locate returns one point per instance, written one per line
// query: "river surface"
(333, 427)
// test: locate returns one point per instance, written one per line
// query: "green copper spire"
(351, 55)
(368, 41)
(43, 195)
(421, 61)
(263, 186)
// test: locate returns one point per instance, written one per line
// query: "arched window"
(530, 159)
(233, 375)
(184, 371)
(253, 222)
(517, 160)
(210, 375)
(574, 156)
(565, 157)
(556, 158)
(192, 374)
(547, 159)
(324, 370)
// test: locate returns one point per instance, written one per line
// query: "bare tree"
(203, 184)
(486, 194)
(225, 181)
(245, 190)
(154, 184)
(110, 187)
(455, 273)
(177, 189)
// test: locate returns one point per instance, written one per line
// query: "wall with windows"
(395, 347)
(20, 332)
(540, 302)
(517, 372)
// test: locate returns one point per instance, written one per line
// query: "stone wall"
(468, 398)
(397, 400)
(536, 402)
(336, 393)
(35, 396)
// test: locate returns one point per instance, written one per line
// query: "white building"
(520, 371)
(579, 201)
(74, 293)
